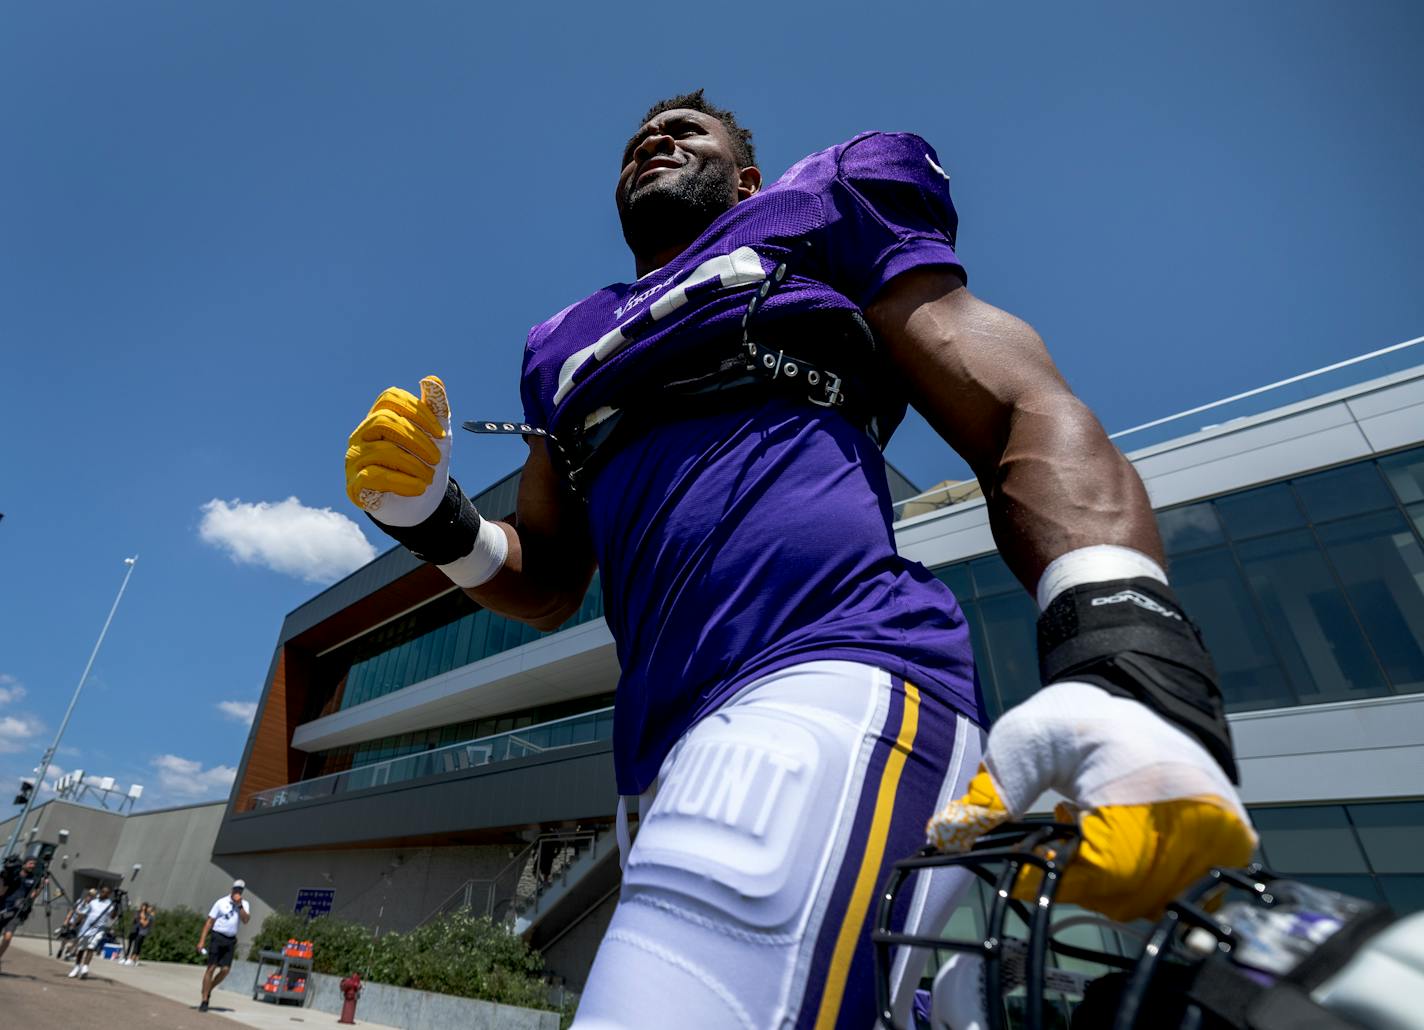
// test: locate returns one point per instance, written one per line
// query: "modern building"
(413, 753)
(163, 856)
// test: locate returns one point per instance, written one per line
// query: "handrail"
(527, 744)
(465, 754)
(944, 490)
(1268, 387)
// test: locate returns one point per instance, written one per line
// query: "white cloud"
(18, 732)
(55, 774)
(10, 689)
(19, 729)
(317, 544)
(188, 780)
(238, 711)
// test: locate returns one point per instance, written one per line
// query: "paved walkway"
(36, 993)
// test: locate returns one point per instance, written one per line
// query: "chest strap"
(753, 368)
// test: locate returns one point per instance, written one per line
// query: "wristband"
(1094, 564)
(467, 548)
(1132, 638)
(485, 559)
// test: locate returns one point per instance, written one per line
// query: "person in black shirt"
(20, 893)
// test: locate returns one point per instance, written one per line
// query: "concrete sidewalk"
(183, 984)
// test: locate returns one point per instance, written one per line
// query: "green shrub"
(174, 937)
(338, 947)
(456, 954)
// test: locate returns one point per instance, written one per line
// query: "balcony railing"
(453, 758)
(1354, 371)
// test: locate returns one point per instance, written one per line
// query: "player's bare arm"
(984, 380)
(550, 561)
(1120, 710)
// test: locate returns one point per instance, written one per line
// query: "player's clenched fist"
(398, 458)
(398, 471)
(1155, 810)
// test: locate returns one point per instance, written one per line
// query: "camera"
(13, 881)
(10, 873)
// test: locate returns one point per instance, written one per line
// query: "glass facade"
(450, 759)
(445, 634)
(1307, 591)
(353, 756)
(1373, 851)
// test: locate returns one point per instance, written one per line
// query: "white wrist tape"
(1094, 564)
(485, 559)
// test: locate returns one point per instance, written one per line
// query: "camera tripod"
(49, 893)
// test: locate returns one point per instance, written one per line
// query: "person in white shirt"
(222, 923)
(98, 917)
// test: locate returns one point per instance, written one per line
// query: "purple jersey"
(735, 543)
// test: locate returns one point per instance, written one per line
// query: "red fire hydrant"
(350, 990)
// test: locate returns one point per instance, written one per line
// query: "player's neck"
(652, 261)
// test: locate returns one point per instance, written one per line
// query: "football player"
(797, 701)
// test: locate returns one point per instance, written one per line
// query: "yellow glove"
(1155, 810)
(398, 458)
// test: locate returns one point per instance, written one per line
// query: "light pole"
(50, 753)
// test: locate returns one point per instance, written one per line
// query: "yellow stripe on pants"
(865, 879)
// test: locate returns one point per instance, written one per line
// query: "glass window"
(447, 648)
(1358, 885)
(1344, 491)
(1257, 512)
(425, 648)
(992, 703)
(1392, 834)
(1405, 894)
(479, 635)
(1405, 473)
(1382, 566)
(461, 654)
(1189, 528)
(956, 577)
(1309, 839)
(992, 576)
(1212, 591)
(1012, 648)
(1309, 620)
(1416, 515)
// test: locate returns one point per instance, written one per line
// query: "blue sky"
(225, 226)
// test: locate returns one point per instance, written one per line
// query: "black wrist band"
(1132, 638)
(447, 535)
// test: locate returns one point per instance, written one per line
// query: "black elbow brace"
(446, 535)
(1132, 638)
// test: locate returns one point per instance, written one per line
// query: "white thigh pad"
(747, 807)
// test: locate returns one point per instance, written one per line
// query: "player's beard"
(672, 210)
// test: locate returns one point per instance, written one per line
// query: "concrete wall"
(564, 785)
(570, 957)
(93, 833)
(395, 888)
(174, 848)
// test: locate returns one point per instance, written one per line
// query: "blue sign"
(314, 901)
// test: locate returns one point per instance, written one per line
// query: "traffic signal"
(26, 788)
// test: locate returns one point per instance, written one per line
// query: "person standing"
(98, 917)
(17, 900)
(142, 926)
(69, 931)
(222, 923)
